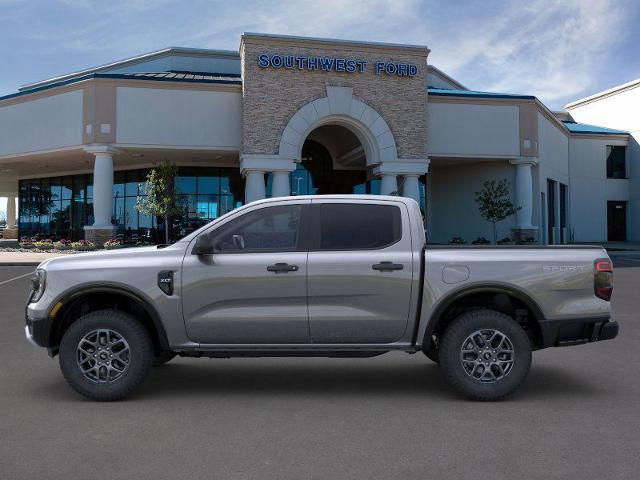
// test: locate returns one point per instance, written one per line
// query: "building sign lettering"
(333, 64)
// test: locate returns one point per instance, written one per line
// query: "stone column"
(411, 187)
(280, 186)
(11, 232)
(254, 186)
(11, 211)
(389, 184)
(524, 230)
(102, 228)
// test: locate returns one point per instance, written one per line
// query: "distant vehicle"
(333, 276)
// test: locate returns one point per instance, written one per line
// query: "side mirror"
(203, 246)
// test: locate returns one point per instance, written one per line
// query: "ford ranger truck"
(328, 276)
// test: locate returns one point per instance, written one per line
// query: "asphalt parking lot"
(393, 416)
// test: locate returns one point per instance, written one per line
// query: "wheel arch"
(438, 318)
(132, 301)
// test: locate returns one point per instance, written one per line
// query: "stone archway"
(339, 107)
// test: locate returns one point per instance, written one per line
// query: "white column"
(411, 187)
(524, 193)
(254, 186)
(103, 189)
(11, 211)
(280, 187)
(389, 184)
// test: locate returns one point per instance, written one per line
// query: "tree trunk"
(495, 233)
(166, 229)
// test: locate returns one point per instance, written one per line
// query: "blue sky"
(557, 50)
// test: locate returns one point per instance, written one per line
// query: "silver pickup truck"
(332, 276)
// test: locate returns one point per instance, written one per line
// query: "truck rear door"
(359, 271)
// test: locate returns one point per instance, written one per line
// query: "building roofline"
(445, 92)
(132, 61)
(447, 77)
(605, 93)
(336, 41)
(120, 76)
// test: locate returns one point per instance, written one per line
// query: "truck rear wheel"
(485, 355)
(105, 355)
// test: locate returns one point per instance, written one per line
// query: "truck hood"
(95, 258)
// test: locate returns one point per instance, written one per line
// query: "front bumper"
(37, 331)
(566, 333)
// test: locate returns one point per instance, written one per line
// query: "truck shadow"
(341, 379)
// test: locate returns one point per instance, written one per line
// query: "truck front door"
(359, 271)
(252, 289)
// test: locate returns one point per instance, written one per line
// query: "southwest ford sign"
(334, 64)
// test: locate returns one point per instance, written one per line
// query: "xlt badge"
(165, 281)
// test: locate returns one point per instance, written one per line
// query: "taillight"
(603, 278)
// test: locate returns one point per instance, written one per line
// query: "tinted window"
(358, 226)
(271, 229)
(616, 162)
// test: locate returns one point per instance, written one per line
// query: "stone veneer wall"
(272, 96)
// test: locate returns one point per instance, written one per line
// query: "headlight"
(38, 284)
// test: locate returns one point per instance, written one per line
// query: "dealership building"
(295, 116)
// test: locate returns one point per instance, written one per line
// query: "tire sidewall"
(140, 357)
(456, 334)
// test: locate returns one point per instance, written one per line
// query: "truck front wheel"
(105, 355)
(485, 355)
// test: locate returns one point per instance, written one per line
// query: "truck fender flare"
(103, 287)
(453, 297)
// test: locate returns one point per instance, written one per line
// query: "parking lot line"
(16, 278)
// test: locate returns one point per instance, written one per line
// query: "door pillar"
(102, 228)
(524, 229)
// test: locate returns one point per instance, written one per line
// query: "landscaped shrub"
(43, 244)
(62, 244)
(83, 245)
(481, 241)
(26, 242)
(457, 241)
(506, 241)
(113, 244)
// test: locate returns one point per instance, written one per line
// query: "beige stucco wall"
(46, 123)
(272, 96)
(473, 129)
(178, 117)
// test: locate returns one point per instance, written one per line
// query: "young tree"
(494, 203)
(161, 200)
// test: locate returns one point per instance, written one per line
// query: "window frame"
(302, 243)
(608, 150)
(316, 232)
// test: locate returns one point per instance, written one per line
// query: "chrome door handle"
(282, 268)
(387, 266)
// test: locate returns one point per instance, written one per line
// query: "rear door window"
(359, 226)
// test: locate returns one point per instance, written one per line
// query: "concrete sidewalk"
(25, 258)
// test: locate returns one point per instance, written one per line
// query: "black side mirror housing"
(203, 246)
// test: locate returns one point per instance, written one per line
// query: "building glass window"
(59, 207)
(616, 161)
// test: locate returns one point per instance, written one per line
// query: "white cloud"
(549, 48)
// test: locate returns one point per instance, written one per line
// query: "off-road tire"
(140, 358)
(451, 348)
